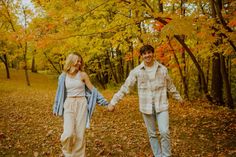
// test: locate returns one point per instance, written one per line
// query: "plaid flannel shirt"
(151, 92)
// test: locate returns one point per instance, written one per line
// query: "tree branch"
(110, 30)
(149, 6)
(222, 21)
(2, 59)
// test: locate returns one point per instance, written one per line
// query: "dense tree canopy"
(195, 39)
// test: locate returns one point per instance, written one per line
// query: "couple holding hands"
(76, 98)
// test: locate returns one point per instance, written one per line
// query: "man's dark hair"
(146, 48)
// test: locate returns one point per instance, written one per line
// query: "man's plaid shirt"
(151, 92)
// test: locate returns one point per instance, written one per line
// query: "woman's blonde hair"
(71, 61)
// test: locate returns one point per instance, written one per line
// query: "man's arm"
(129, 82)
(172, 89)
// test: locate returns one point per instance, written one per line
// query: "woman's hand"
(111, 108)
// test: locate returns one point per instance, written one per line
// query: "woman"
(72, 101)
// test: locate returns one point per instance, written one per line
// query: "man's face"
(148, 57)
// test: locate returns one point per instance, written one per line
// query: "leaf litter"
(28, 128)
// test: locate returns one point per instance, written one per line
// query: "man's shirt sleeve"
(129, 82)
(172, 89)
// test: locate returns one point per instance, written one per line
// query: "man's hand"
(181, 102)
(111, 108)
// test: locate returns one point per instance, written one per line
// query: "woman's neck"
(73, 73)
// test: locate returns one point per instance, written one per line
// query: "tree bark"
(33, 66)
(100, 75)
(208, 70)
(113, 72)
(182, 7)
(51, 62)
(160, 6)
(25, 66)
(5, 62)
(201, 73)
(127, 69)
(120, 66)
(183, 78)
(217, 83)
(229, 98)
(218, 8)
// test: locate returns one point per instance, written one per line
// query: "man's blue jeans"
(161, 149)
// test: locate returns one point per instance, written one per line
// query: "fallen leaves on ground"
(28, 128)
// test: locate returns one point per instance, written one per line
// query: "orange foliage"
(201, 34)
(158, 26)
(232, 23)
(44, 42)
(173, 66)
(136, 53)
(234, 61)
(50, 26)
(128, 57)
(168, 20)
(162, 53)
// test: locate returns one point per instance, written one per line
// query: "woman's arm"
(86, 80)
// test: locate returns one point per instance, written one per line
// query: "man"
(153, 84)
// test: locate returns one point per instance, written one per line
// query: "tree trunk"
(229, 98)
(33, 66)
(121, 69)
(201, 7)
(200, 83)
(25, 66)
(127, 69)
(201, 86)
(185, 81)
(160, 6)
(99, 75)
(182, 2)
(217, 83)
(181, 41)
(183, 78)
(120, 66)
(131, 49)
(5, 62)
(208, 71)
(218, 8)
(213, 11)
(113, 72)
(51, 62)
(201, 73)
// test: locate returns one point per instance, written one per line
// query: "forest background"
(195, 39)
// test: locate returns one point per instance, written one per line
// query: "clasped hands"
(110, 107)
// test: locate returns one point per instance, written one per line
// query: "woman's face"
(78, 62)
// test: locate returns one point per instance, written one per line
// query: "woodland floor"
(28, 128)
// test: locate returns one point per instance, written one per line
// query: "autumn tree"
(187, 36)
(15, 18)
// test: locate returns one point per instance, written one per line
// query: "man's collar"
(142, 65)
